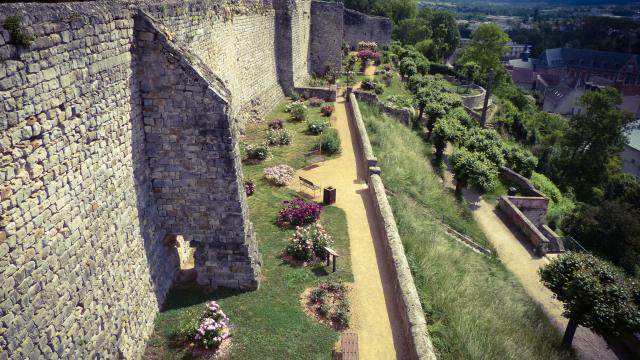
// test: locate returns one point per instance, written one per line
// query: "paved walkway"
(518, 256)
(375, 314)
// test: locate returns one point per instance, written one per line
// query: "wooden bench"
(331, 254)
(309, 185)
(349, 348)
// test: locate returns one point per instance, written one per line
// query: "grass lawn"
(268, 323)
(475, 308)
(397, 88)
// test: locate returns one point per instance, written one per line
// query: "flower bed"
(258, 152)
(280, 175)
(327, 110)
(298, 212)
(329, 304)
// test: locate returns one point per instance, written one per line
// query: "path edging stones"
(415, 324)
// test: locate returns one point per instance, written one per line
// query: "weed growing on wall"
(19, 36)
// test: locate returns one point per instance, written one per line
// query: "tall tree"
(403, 9)
(591, 139)
(487, 46)
(594, 294)
(445, 33)
(610, 228)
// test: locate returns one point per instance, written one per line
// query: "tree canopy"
(487, 46)
(594, 294)
(591, 141)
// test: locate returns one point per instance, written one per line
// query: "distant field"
(475, 308)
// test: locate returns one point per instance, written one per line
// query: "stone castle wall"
(119, 129)
(326, 48)
(359, 27)
(79, 237)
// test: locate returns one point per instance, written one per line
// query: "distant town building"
(631, 155)
(561, 76)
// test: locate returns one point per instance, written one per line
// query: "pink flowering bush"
(280, 175)
(327, 110)
(366, 55)
(309, 241)
(214, 327)
(299, 212)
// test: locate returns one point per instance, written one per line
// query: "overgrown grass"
(398, 145)
(475, 308)
(269, 322)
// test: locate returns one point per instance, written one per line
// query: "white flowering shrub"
(280, 175)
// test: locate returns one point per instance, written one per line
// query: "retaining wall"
(328, 94)
(522, 182)
(415, 325)
(526, 226)
(402, 115)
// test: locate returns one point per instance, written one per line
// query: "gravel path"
(375, 313)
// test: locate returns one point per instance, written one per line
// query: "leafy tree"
(428, 48)
(486, 142)
(403, 9)
(520, 159)
(611, 228)
(412, 31)
(471, 71)
(594, 294)
(445, 33)
(487, 46)
(408, 67)
(590, 140)
(447, 129)
(472, 168)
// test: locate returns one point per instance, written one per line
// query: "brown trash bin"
(329, 196)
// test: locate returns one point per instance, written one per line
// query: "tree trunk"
(459, 186)
(567, 339)
(420, 114)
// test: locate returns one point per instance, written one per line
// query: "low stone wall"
(475, 101)
(520, 220)
(522, 182)
(402, 115)
(415, 325)
(363, 137)
(326, 93)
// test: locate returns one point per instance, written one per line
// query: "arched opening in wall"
(184, 255)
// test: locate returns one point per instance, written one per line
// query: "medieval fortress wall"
(119, 128)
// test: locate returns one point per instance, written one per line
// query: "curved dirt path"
(375, 313)
(517, 254)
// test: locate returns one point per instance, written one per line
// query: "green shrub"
(18, 35)
(547, 186)
(294, 95)
(318, 295)
(278, 137)
(324, 309)
(298, 111)
(331, 142)
(519, 159)
(342, 314)
(258, 151)
(316, 127)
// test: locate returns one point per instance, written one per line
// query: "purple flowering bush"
(276, 124)
(280, 175)
(213, 328)
(249, 188)
(309, 241)
(298, 212)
